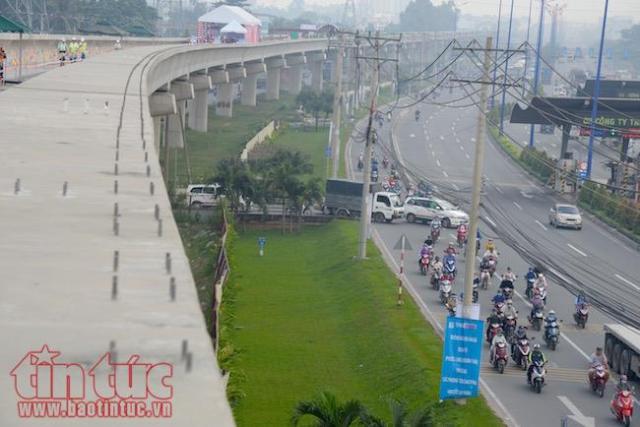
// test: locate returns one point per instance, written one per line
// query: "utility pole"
(537, 71)
(506, 71)
(596, 92)
(365, 216)
(478, 164)
(495, 70)
(526, 56)
(337, 109)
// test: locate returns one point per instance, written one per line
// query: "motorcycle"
(542, 292)
(521, 353)
(451, 304)
(536, 318)
(385, 163)
(493, 330)
(499, 306)
(622, 407)
(475, 293)
(537, 376)
(529, 289)
(435, 234)
(581, 316)
(491, 262)
(417, 115)
(598, 380)
(509, 327)
(552, 334)
(436, 276)
(424, 264)
(507, 293)
(485, 279)
(450, 267)
(360, 165)
(445, 289)
(500, 357)
(374, 176)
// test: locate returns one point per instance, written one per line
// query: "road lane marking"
(458, 140)
(430, 144)
(413, 135)
(446, 175)
(490, 221)
(628, 282)
(498, 189)
(576, 249)
(526, 195)
(433, 153)
(438, 162)
(461, 148)
(441, 138)
(467, 155)
(541, 225)
(473, 139)
(517, 205)
(455, 186)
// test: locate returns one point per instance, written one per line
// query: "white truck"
(622, 348)
(343, 198)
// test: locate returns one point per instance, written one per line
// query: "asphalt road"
(441, 147)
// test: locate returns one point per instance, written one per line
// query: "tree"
(305, 196)
(315, 104)
(328, 412)
(236, 179)
(422, 15)
(401, 417)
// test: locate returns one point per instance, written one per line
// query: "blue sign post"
(261, 242)
(460, 376)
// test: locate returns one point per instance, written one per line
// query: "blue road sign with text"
(460, 376)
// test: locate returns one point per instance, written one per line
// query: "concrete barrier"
(40, 51)
(258, 139)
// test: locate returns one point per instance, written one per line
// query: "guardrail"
(220, 279)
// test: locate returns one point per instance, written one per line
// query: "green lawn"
(306, 317)
(311, 143)
(225, 138)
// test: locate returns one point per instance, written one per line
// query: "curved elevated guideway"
(91, 260)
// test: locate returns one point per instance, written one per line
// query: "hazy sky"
(576, 10)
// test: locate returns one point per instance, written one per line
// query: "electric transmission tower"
(349, 14)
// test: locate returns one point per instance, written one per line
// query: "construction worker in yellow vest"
(73, 49)
(82, 49)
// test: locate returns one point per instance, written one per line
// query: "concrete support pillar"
(316, 76)
(249, 86)
(157, 132)
(199, 111)
(273, 83)
(224, 104)
(292, 79)
(174, 137)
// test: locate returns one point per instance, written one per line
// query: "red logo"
(48, 387)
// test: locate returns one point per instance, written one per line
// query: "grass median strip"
(306, 317)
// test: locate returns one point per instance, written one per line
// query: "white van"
(200, 195)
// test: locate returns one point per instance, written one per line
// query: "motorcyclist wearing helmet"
(493, 319)
(530, 276)
(536, 304)
(581, 301)
(498, 338)
(623, 385)
(535, 356)
(509, 275)
(437, 264)
(498, 298)
(549, 320)
(520, 334)
(510, 310)
(541, 282)
(490, 246)
(425, 250)
(490, 253)
(506, 283)
(598, 358)
(436, 224)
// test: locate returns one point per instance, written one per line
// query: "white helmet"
(81, 39)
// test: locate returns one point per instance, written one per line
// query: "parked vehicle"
(343, 198)
(424, 209)
(563, 215)
(203, 195)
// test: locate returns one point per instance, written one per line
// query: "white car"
(426, 208)
(201, 195)
(561, 215)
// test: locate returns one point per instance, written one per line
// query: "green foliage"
(613, 209)
(422, 15)
(306, 318)
(538, 162)
(70, 16)
(315, 104)
(328, 412)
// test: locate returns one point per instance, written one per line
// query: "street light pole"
(467, 309)
(537, 71)
(506, 70)
(526, 52)
(495, 69)
(596, 91)
(337, 109)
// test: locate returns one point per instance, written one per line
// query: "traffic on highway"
(556, 287)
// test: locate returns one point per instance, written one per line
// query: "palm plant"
(328, 412)
(401, 417)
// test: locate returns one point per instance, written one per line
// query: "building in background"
(210, 24)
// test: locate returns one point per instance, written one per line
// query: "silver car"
(563, 215)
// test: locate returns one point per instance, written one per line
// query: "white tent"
(227, 14)
(233, 27)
